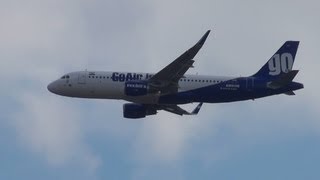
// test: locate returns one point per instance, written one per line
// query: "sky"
(45, 136)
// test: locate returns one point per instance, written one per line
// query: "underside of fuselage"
(219, 94)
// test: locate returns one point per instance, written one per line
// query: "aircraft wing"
(166, 80)
(178, 110)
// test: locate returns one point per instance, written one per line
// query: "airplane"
(165, 90)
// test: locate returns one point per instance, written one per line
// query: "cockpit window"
(65, 77)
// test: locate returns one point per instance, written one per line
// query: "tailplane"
(280, 64)
(282, 80)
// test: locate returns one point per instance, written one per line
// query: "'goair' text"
(121, 77)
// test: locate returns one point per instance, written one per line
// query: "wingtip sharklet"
(197, 109)
(204, 37)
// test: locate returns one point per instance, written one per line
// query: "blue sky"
(44, 136)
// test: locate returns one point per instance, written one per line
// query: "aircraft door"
(82, 77)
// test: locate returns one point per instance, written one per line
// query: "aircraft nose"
(52, 87)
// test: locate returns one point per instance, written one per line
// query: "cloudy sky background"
(44, 136)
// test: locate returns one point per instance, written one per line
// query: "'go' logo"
(279, 64)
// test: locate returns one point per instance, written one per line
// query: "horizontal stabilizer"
(283, 80)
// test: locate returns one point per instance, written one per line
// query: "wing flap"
(179, 111)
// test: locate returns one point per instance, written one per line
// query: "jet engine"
(135, 111)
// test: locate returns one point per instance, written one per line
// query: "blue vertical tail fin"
(280, 63)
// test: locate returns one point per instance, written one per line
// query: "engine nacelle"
(135, 111)
(136, 88)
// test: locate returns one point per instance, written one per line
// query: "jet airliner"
(165, 90)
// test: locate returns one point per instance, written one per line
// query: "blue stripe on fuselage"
(228, 91)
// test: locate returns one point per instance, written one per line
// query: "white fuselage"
(110, 85)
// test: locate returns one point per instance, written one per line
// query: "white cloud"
(52, 128)
(162, 138)
(39, 41)
(166, 138)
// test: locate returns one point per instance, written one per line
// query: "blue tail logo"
(281, 62)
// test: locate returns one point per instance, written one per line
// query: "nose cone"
(52, 87)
